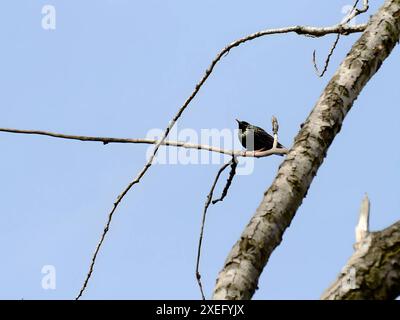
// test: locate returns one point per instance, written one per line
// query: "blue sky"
(120, 68)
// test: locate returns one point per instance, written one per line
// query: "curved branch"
(228, 183)
(311, 31)
(327, 60)
(243, 266)
(203, 221)
(353, 13)
(302, 30)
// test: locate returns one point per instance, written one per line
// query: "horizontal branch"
(180, 144)
(302, 30)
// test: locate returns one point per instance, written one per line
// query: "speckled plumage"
(254, 138)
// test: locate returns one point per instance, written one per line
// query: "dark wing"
(266, 140)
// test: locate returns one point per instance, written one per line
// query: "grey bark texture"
(373, 271)
(239, 277)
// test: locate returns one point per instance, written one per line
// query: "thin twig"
(328, 58)
(179, 144)
(362, 228)
(232, 173)
(206, 205)
(353, 13)
(275, 128)
(302, 30)
(297, 29)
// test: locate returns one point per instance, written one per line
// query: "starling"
(254, 138)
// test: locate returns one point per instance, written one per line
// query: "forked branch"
(301, 30)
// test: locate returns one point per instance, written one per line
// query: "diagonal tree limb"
(373, 271)
(244, 264)
(303, 30)
(353, 13)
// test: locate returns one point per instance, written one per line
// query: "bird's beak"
(237, 120)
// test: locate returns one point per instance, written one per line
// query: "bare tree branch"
(362, 228)
(373, 271)
(180, 144)
(275, 128)
(232, 173)
(301, 30)
(243, 266)
(304, 30)
(206, 205)
(328, 58)
(353, 13)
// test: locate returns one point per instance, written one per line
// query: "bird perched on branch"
(254, 138)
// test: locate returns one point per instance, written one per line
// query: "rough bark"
(373, 271)
(239, 276)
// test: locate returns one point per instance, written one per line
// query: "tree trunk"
(373, 271)
(248, 257)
